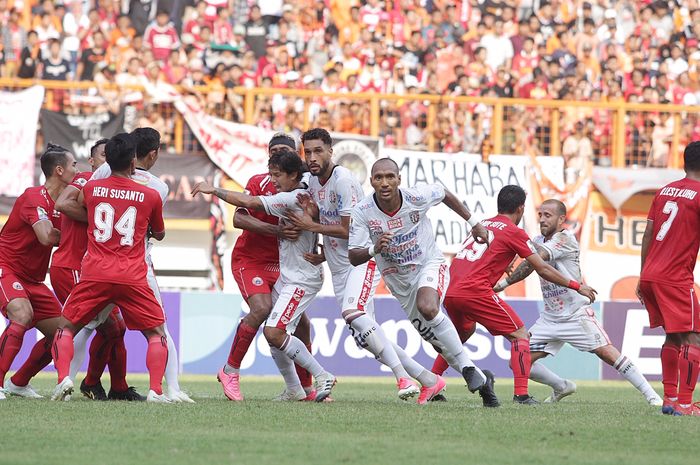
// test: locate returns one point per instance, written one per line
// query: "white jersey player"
(147, 148)
(393, 222)
(568, 316)
(334, 192)
(299, 281)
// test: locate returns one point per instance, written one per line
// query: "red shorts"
(489, 310)
(63, 280)
(256, 280)
(138, 304)
(44, 302)
(674, 308)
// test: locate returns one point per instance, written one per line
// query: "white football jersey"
(413, 245)
(561, 302)
(143, 177)
(336, 199)
(293, 268)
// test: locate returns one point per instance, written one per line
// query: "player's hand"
(301, 220)
(315, 258)
(638, 291)
(288, 232)
(55, 236)
(588, 291)
(307, 204)
(480, 234)
(202, 187)
(383, 241)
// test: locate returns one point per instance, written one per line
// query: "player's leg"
(156, 360)
(303, 333)
(670, 354)
(628, 370)
(520, 363)
(689, 368)
(16, 307)
(119, 388)
(80, 350)
(465, 328)
(544, 342)
(101, 347)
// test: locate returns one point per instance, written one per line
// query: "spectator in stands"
(14, 39)
(54, 67)
(577, 152)
(161, 37)
(256, 32)
(30, 57)
(91, 57)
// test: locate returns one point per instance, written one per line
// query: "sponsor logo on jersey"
(257, 281)
(17, 286)
(395, 223)
(41, 213)
(292, 306)
(415, 217)
(332, 197)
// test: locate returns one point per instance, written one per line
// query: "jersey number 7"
(671, 209)
(105, 226)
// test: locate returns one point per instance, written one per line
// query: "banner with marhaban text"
(19, 115)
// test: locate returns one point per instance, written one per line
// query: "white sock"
(447, 340)
(80, 346)
(629, 371)
(543, 375)
(415, 370)
(369, 335)
(297, 351)
(172, 368)
(287, 370)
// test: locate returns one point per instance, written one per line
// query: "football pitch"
(603, 423)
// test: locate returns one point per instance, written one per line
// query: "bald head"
(385, 164)
(557, 205)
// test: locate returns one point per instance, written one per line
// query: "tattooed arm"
(522, 271)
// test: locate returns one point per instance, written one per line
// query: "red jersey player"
(478, 267)
(669, 251)
(255, 267)
(26, 241)
(120, 213)
(108, 344)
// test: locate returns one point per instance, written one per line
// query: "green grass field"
(604, 423)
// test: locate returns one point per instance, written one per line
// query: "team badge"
(81, 182)
(415, 217)
(257, 281)
(41, 213)
(17, 286)
(321, 195)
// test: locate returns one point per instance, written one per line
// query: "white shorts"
(355, 288)
(290, 302)
(582, 330)
(434, 275)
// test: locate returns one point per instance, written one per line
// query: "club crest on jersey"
(257, 281)
(17, 286)
(81, 182)
(415, 217)
(41, 213)
(321, 195)
(395, 223)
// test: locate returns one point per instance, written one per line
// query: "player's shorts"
(355, 288)
(489, 310)
(582, 331)
(44, 302)
(63, 280)
(290, 302)
(138, 304)
(674, 308)
(256, 280)
(434, 275)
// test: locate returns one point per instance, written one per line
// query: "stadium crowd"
(602, 50)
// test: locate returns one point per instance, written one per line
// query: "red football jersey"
(252, 248)
(73, 244)
(673, 250)
(20, 249)
(478, 267)
(120, 211)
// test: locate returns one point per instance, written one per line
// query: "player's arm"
(551, 274)
(156, 224)
(304, 221)
(46, 233)
(247, 222)
(67, 203)
(358, 251)
(523, 270)
(358, 256)
(238, 199)
(646, 241)
(478, 230)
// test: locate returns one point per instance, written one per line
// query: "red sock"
(440, 366)
(10, 343)
(100, 352)
(241, 342)
(62, 352)
(156, 359)
(117, 366)
(520, 364)
(38, 359)
(669, 369)
(304, 374)
(689, 365)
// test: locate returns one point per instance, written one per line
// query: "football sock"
(669, 369)
(117, 366)
(629, 371)
(100, 353)
(542, 374)
(447, 340)
(156, 359)
(297, 351)
(239, 347)
(369, 335)
(286, 368)
(62, 352)
(80, 345)
(304, 375)
(520, 364)
(10, 343)
(414, 369)
(172, 368)
(38, 359)
(439, 366)
(688, 373)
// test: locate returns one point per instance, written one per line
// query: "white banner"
(19, 114)
(476, 183)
